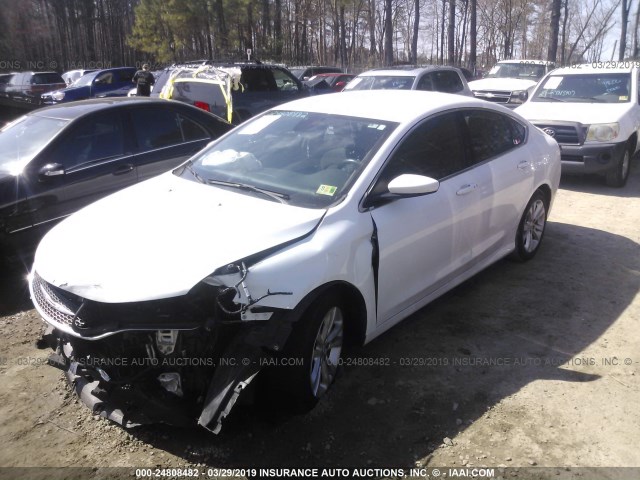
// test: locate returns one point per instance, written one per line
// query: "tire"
(315, 344)
(531, 227)
(617, 177)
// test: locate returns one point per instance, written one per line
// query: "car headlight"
(57, 96)
(519, 96)
(603, 132)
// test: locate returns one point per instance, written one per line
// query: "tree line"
(354, 34)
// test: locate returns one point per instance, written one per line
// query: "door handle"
(524, 165)
(470, 187)
(122, 169)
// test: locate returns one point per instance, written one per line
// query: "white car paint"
(187, 266)
(507, 84)
(161, 237)
(586, 113)
(150, 228)
(596, 126)
(626, 114)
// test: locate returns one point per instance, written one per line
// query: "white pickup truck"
(593, 112)
(510, 82)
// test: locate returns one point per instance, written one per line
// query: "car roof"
(71, 110)
(388, 105)
(405, 70)
(590, 68)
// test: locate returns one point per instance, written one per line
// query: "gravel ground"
(523, 367)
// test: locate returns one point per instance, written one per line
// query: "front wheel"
(617, 177)
(531, 227)
(312, 355)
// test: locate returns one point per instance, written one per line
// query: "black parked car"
(262, 86)
(58, 159)
(28, 87)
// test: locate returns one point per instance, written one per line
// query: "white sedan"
(321, 222)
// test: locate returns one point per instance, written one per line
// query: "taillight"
(203, 105)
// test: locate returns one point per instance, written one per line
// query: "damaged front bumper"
(179, 361)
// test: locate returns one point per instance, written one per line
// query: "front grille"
(90, 319)
(565, 134)
(496, 96)
(59, 306)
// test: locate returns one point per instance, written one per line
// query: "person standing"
(144, 79)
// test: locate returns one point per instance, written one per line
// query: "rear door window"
(156, 128)
(258, 80)
(124, 75)
(447, 81)
(492, 134)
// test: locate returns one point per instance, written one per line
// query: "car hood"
(506, 84)
(161, 237)
(586, 113)
(68, 91)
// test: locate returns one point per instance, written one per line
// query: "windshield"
(381, 82)
(302, 158)
(524, 70)
(85, 80)
(586, 88)
(22, 139)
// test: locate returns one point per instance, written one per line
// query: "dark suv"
(261, 87)
(27, 87)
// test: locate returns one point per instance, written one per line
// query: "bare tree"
(554, 28)
(626, 7)
(473, 33)
(416, 30)
(388, 33)
(451, 52)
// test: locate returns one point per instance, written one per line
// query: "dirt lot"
(525, 365)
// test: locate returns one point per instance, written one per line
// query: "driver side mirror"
(50, 170)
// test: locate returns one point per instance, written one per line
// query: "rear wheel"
(617, 177)
(531, 227)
